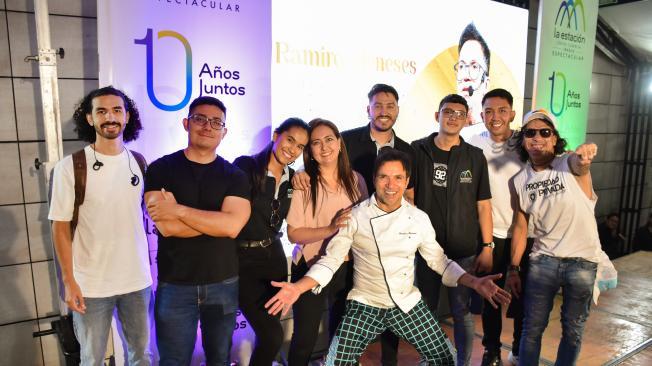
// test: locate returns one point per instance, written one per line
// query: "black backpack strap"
(140, 159)
(79, 166)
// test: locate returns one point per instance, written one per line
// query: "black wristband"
(514, 268)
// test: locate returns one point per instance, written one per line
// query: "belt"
(256, 243)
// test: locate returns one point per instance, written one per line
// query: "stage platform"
(618, 332)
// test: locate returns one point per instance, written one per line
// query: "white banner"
(165, 53)
(326, 55)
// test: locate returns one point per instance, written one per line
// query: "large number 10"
(149, 45)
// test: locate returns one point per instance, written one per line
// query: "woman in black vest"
(261, 254)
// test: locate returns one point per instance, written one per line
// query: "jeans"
(178, 309)
(92, 328)
(546, 275)
(459, 299)
(429, 283)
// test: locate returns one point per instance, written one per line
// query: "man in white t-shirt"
(104, 258)
(554, 191)
(503, 164)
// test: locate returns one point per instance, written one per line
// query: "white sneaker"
(512, 359)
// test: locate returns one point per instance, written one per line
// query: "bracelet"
(514, 268)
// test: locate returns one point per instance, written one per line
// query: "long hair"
(345, 175)
(517, 145)
(86, 132)
(261, 159)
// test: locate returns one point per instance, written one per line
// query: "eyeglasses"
(543, 132)
(474, 70)
(452, 114)
(201, 120)
(275, 218)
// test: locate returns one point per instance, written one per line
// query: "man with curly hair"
(101, 244)
(555, 193)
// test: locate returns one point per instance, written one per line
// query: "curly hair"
(86, 132)
(523, 155)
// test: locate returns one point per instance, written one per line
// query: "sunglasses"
(275, 218)
(543, 132)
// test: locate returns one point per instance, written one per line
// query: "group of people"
(378, 226)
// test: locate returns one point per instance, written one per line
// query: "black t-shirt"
(259, 225)
(202, 259)
(439, 203)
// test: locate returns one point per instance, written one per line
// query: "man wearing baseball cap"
(554, 190)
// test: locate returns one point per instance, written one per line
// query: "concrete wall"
(26, 267)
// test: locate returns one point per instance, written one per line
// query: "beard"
(382, 126)
(109, 135)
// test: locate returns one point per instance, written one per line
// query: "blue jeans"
(178, 309)
(459, 299)
(546, 275)
(92, 328)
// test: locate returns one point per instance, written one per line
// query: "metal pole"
(47, 59)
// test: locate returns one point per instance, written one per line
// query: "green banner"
(564, 62)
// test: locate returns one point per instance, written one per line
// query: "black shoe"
(491, 358)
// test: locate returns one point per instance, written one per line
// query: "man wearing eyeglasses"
(554, 191)
(451, 185)
(199, 203)
(472, 75)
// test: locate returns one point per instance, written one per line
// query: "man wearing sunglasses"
(555, 192)
(199, 203)
(451, 184)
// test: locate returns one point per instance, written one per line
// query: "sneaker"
(512, 358)
(491, 358)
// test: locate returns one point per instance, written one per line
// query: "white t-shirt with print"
(561, 213)
(110, 252)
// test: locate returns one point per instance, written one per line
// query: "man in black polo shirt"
(363, 143)
(451, 184)
(199, 203)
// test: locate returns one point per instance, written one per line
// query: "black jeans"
(308, 310)
(492, 324)
(258, 267)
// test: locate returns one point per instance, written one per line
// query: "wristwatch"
(514, 268)
(491, 245)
